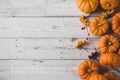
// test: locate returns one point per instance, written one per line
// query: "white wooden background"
(37, 38)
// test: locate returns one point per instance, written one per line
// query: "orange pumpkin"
(118, 52)
(111, 76)
(108, 43)
(116, 23)
(97, 77)
(87, 6)
(99, 26)
(109, 4)
(110, 60)
(87, 68)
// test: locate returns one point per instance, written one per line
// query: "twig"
(114, 70)
(91, 40)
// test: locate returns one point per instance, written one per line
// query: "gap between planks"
(61, 49)
(42, 59)
(46, 16)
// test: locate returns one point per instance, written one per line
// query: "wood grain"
(8, 49)
(45, 49)
(57, 49)
(42, 8)
(45, 69)
(4, 70)
(42, 28)
(25, 8)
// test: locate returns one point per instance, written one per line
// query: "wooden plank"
(19, 49)
(42, 28)
(44, 49)
(40, 69)
(8, 49)
(44, 70)
(4, 70)
(57, 49)
(11, 49)
(63, 8)
(22, 8)
(69, 8)
(39, 33)
(39, 8)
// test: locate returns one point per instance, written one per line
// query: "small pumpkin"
(109, 4)
(87, 6)
(87, 68)
(97, 77)
(108, 43)
(111, 76)
(99, 26)
(109, 60)
(116, 23)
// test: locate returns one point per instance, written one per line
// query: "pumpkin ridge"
(96, 31)
(116, 23)
(118, 31)
(113, 47)
(82, 4)
(93, 2)
(102, 29)
(90, 5)
(115, 61)
(79, 3)
(115, 28)
(97, 77)
(111, 76)
(85, 5)
(117, 17)
(112, 38)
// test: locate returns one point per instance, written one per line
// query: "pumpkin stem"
(89, 70)
(108, 4)
(99, 24)
(109, 68)
(117, 70)
(109, 43)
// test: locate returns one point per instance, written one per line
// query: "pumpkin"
(116, 23)
(118, 52)
(87, 6)
(87, 68)
(108, 43)
(111, 76)
(99, 26)
(109, 4)
(109, 60)
(97, 77)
